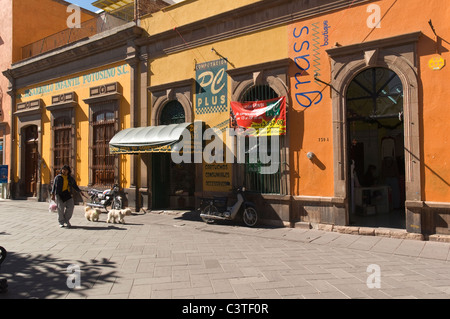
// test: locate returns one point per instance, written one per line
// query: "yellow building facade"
(67, 110)
(70, 98)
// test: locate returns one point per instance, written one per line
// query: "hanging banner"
(265, 117)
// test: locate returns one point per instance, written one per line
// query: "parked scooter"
(104, 199)
(212, 211)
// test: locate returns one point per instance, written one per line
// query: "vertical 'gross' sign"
(306, 49)
(211, 92)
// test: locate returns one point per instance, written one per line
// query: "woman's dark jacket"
(58, 184)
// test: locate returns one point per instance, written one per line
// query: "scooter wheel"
(209, 210)
(250, 217)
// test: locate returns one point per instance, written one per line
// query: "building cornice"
(99, 43)
(380, 43)
(255, 17)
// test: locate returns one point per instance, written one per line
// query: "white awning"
(148, 139)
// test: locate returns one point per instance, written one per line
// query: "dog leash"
(87, 198)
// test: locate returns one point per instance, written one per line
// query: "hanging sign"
(436, 63)
(3, 174)
(265, 117)
(211, 90)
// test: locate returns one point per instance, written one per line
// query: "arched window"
(172, 113)
(259, 93)
(374, 94)
(254, 180)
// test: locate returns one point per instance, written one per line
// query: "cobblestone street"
(173, 255)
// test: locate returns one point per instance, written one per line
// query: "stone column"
(133, 62)
(144, 164)
(13, 158)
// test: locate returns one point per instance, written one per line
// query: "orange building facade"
(367, 88)
(45, 19)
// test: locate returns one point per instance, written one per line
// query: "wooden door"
(161, 180)
(31, 161)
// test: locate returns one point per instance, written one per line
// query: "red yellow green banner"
(265, 117)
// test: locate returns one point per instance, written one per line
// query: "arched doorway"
(375, 132)
(31, 155)
(173, 184)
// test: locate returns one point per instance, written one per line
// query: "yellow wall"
(187, 12)
(241, 51)
(80, 85)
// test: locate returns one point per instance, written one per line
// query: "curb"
(373, 231)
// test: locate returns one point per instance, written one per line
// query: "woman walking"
(62, 190)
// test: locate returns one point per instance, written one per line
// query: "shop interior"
(376, 150)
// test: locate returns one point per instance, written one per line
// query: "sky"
(86, 4)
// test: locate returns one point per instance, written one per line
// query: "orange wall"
(311, 128)
(5, 63)
(34, 20)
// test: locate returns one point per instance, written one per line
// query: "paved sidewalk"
(173, 255)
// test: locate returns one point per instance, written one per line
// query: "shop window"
(102, 161)
(376, 133)
(62, 148)
(254, 180)
(104, 123)
(63, 128)
(374, 111)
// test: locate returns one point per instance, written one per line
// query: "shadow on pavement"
(195, 216)
(43, 276)
(97, 227)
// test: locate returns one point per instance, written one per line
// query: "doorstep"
(439, 238)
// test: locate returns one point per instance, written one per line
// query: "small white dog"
(92, 214)
(126, 212)
(116, 215)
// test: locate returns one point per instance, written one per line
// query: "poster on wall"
(267, 117)
(211, 90)
(211, 106)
